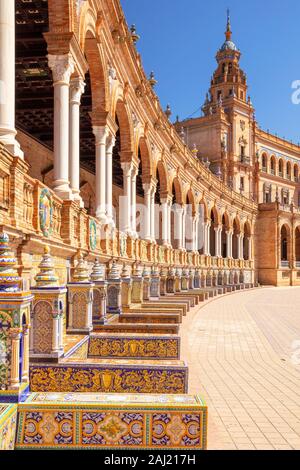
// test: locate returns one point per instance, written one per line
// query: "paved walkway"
(242, 359)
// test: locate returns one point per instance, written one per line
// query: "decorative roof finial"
(9, 279)
(81, 273)
(228, 29)
(46, 277)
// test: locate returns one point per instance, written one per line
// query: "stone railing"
(29, 207)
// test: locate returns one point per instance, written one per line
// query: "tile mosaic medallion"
(88, 421)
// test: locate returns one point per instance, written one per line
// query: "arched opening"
(296, 173)
(285, 245)
(212, 240)
(273, 165)
(247, 242)
(297, 246)
(235, 239)
(280, 167)
(225, 228)
(264, 162)
(189, 226)
(289, 171)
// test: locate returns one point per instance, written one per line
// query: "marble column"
(15, 353)
(100, 133)
(77, 86)
(109, 181)
(134, 174)
(127, 179)
(153, 234)
(178, 226)
(7, 78)
(183, 228)
(195, 233)
(241, 246)
(147, 212)
(62, 67)
(25, 372)
(229, 235)
(164, 206)
(170, 201)
(207, 238)
(218, 241)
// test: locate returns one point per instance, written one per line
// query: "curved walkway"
(243, 352)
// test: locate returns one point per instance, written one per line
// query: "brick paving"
(239, 349)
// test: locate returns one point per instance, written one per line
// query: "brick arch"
(226, 218)
(203, 203)
(190, 199)
(178, 190)
(146, 160)
(216, 214)
(97, 69)
(237, 222)
(247, 228)
(126, 130)
(162, 174)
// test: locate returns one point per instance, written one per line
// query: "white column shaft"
(133, 201)
(164, 207)
(101, 135)
(7, 77)
(147, 218)
(109, 181)
(127, 170)
(76, 90)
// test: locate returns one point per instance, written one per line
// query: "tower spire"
(228, 33)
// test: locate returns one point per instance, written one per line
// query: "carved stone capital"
(77, 87)
(62, 67)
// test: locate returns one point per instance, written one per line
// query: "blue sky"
(179, 40)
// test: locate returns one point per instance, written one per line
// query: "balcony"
(285, 264)
(244, 159)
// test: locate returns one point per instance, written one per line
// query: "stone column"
(229, 244)
(133, 200)
(147, 214)
(169, 220)
(165, 212)
(241, 240)
(183, 227)
(127, 174)
(179, 225)
(207, 238)
(7, 78)
(77, 86)
(15, 353)
(109, 181)
(25, 373)
(100, 133)
(62, 67)
(153, 237)
(218, 241)
(195, 232)
(250, 248)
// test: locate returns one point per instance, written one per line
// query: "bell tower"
(229, 81)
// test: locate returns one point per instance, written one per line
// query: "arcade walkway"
(240, 350)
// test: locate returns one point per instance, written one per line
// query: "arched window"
(284, 246)
(297, 246)
(296, 173)
(264, 162)
(273, 165)
(280, 167)
(288, 171)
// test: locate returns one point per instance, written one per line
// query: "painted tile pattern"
(8, 425)
(102, 421)
(118, 377)
(151, 348)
